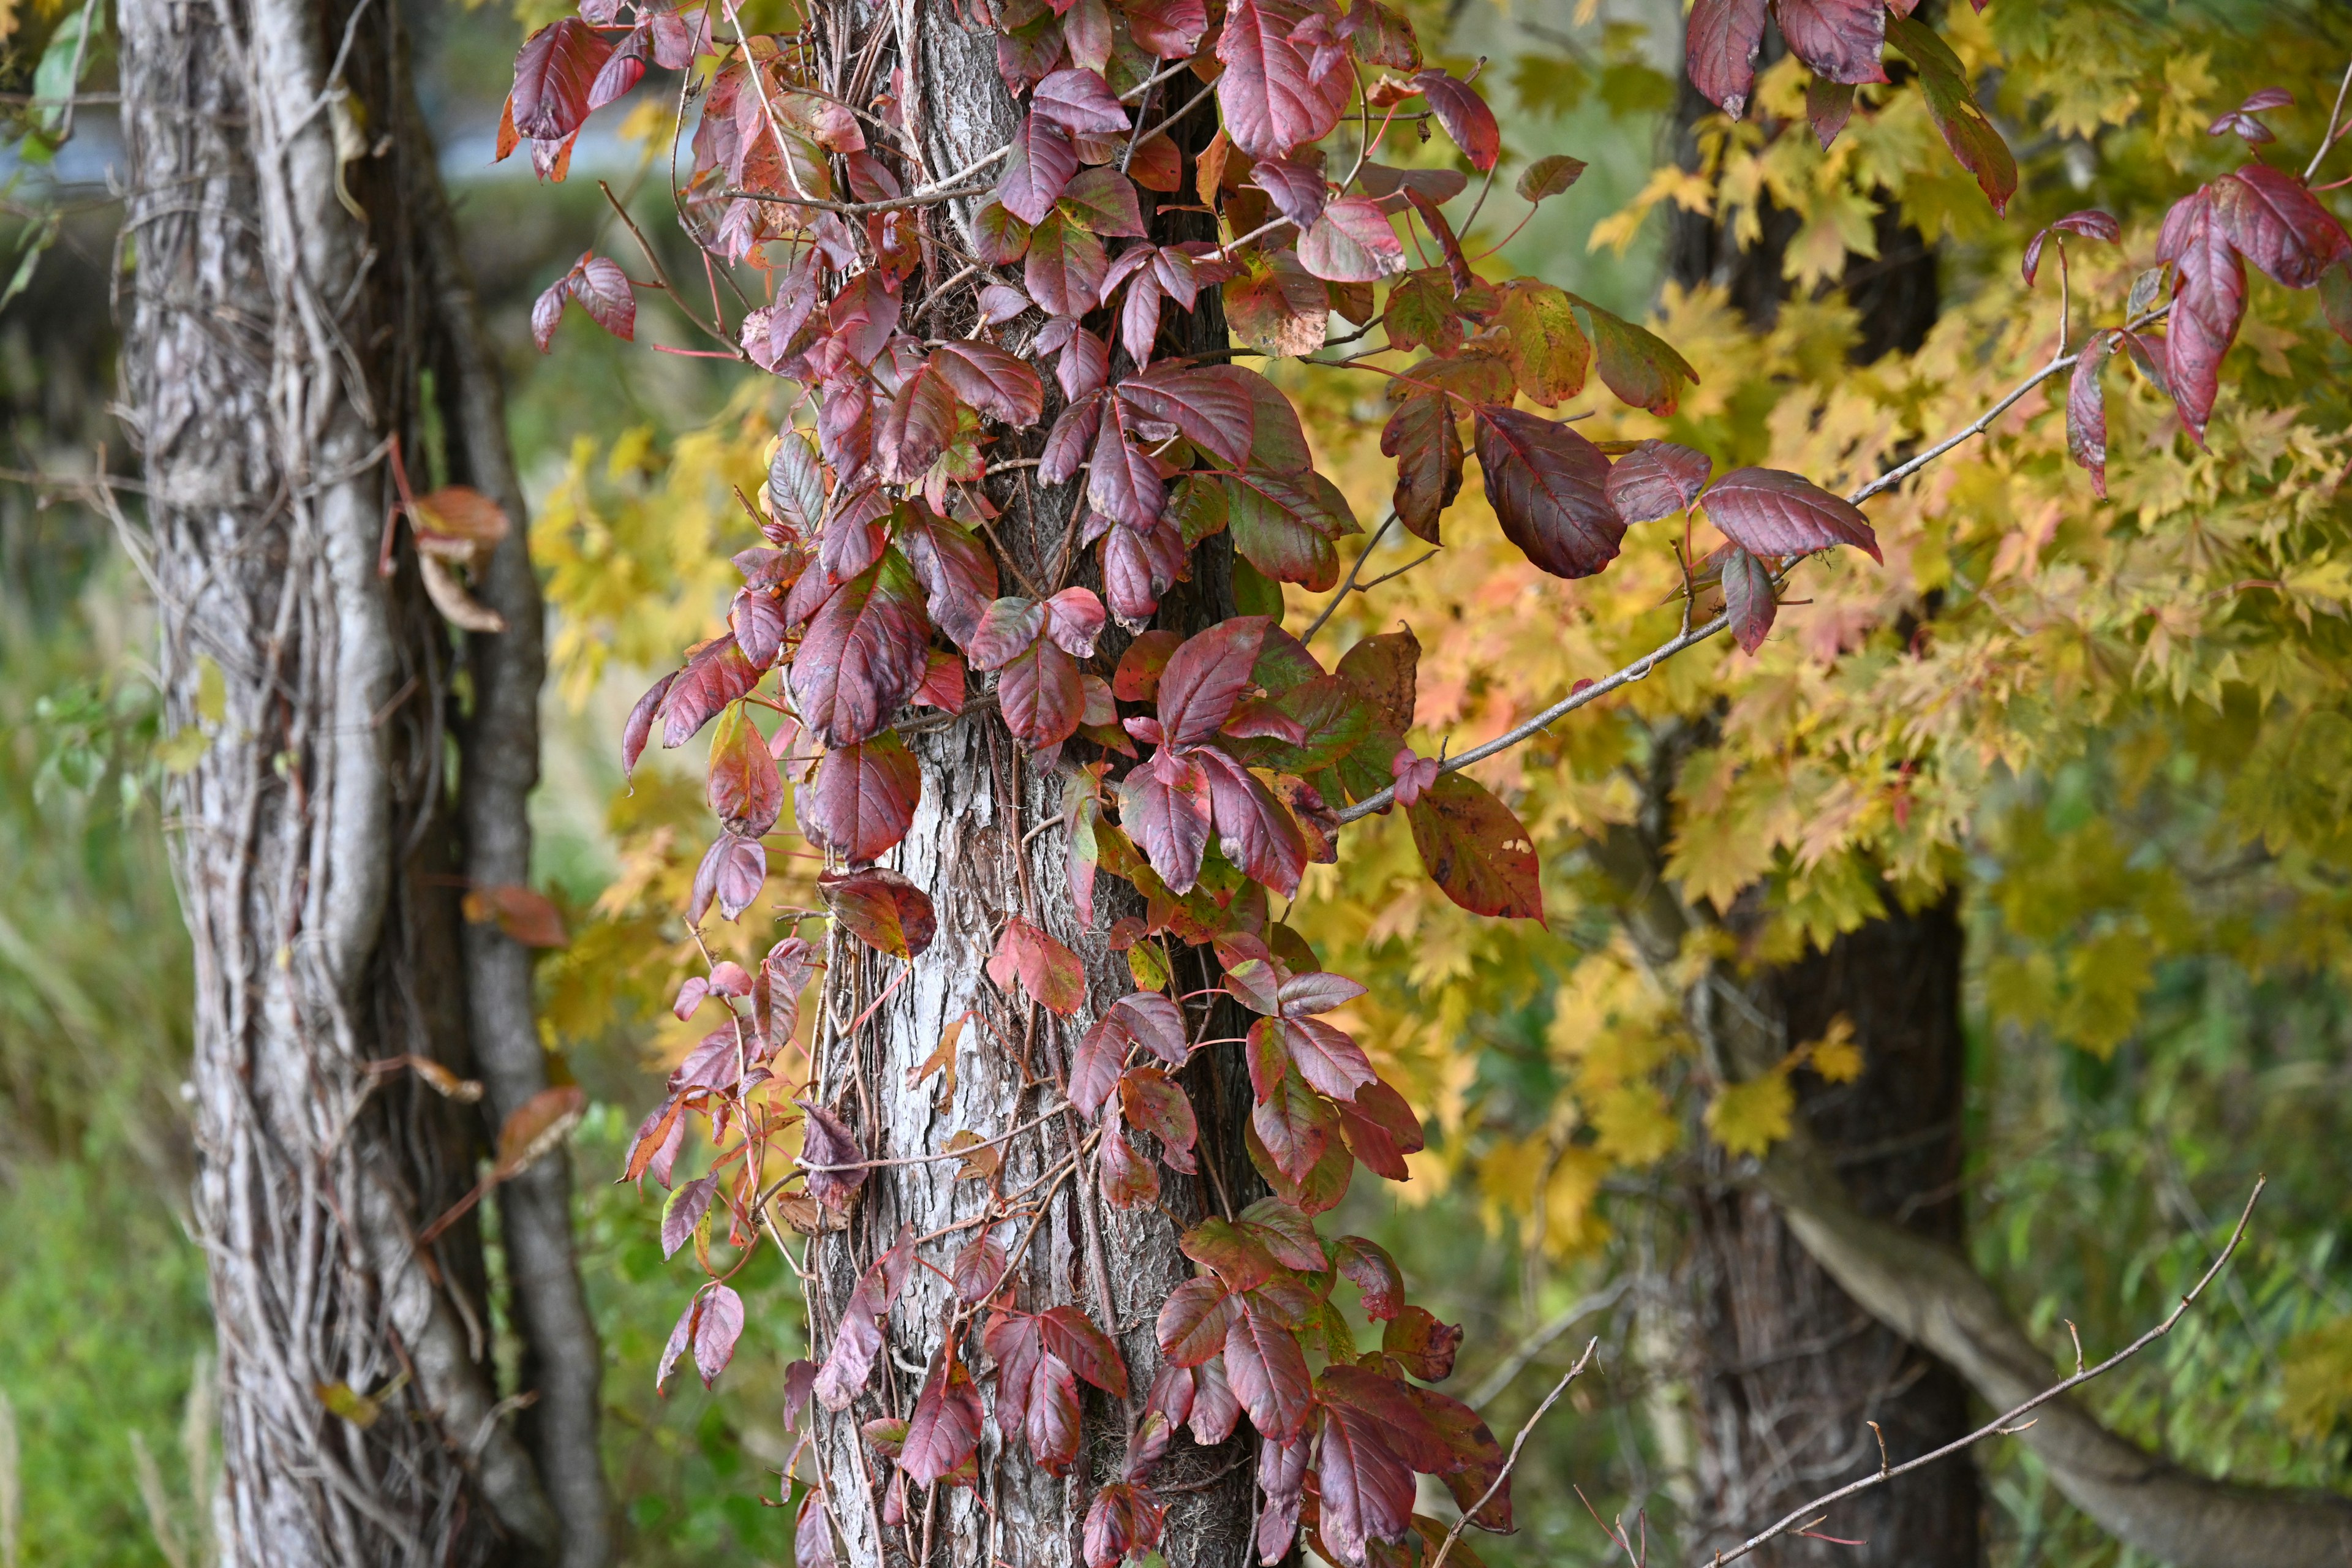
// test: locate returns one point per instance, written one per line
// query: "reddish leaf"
(1193, 1321)
(1206, 676)
(1655, 479)
(1298, 190)
(1294, 1126)
(1004, 632)
(1129, 1180)
(1042, 165)
(1124, 1520)
(1770, 512)
(1475, 850)
(2090, 223)
(639, 726)
(998, 239)
(914, 429)
(1240, 1260)
(1423, 1344)
(1122, 482)
(1548, 485)
(1050, 1424)
(863, 655)
(716, 675)
(1073, 619)
(1827, 106)
(1748, 597)
(1840, 39)
(1271, 97)
(1464, 115)
(957, 574)
(744, 789)
(812, 1544)
(1268, 1372)
(554, 71)
(1164, 807)
(1069, 1333)
(1253, 830)
(942, 685)
(1079, 101)
(863, 315)
(546, 311)
(1285, 525)
(863, 800)
(979, 1269)
(1172, 30)
(1722, 44)
(718, 1324)
(1152, 1100)
(1327, 1059)
(1039, 694)
(2278, 225)
(1213, 406)
(2208, 302)
(1953, 106)
(992, 381)
(1368, 1266)
(856, 1343)
(1366, 1490)
(944, 1431)
(1065, 266)
(1137, 679)
(2086, 412)
(1276, 306)
(1352, 242)
(1047, 971)
(733, 870)
(881, 908)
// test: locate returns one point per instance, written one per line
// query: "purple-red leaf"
(1214, 406)
(1840, 39)
(1952, 105)
(1723, 39)
(1268, 1372)
(944, 1431)
(862, 799)
(1770, 512)
(1549, 488)
(1474, 847)
(555, 70)
(992, 381)
(743, 787)
(1206, 676)
(1069, 1333)
(863, 655)
(1043, 161)
(1046, 970)
(1655, 479)
(881, 908)
(1271, 96)
(2278, 225)
(1464, 115)
(1352, 242)
(1748, 598)
(1080, 102)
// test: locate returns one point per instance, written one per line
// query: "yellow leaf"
(1635, 1124)
(1749, 1118)
(211, 691)
(1835, 1056)
(2317, 1381)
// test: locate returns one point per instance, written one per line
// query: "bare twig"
(2335, 116)
(1511, 1459)
(2003, 1424)
(1349, 586)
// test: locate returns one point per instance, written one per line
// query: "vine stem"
(1517, 1442)
(1587, 691)
(2001, 1425)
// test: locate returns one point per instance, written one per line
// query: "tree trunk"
(293, 275)
(1793, 1372)
(983, 847)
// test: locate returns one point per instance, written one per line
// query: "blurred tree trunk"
(983, 848)
(1792, 1372)
(295, 279)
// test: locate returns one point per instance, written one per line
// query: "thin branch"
(2333, 116)
(2004, 1424)
(853, 209)
(1536, 1344)
(1349, 586)
(1517, 1442)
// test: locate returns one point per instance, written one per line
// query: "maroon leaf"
(915, 428)
(979, 1269)
(1102, 201)
(2208, 301)
(1748, 597)
(1722, 44)
(1121, 483)
(1271, 97)
(1327, 1059)
(1164, 807)
(1065, 266)
(603, 291)
(744, 789)
(1827, 106)
(1069, 1333)
(1125, 1521)
(1172, 30)
(1137, 679)
(1292, 1126)
(639, 726)
(863, 315)
(1366, 1490)
(1952, 105)
(718, 1324)
(554, 71)
(862, 799)
(957, 574)
(1042, 165)
(1439, 185)
(863, 655)
(812, 1544)
(1193, 1321)
(1152, 1100)
(1268, 1372)
(1464, 115)
(1655, 479)
(992, 382)
(733, 870)
(1040, 696)
(850, 1361)
(1129, 1180)
(1285, 525)
(1240, 1260)
(1253, 830)
(881, 908)
(1051, 1414)
(1424, 439)
(1840, 39)
(1770, 512)
(998, 239)
(944, 1431)
(1046, 970)
(1206, 676)
(684, 1211)
(1213, 406)
(1079, 101)
(1549, 488)
(1475, 850)
(2278, 225)
(1298, 190)
(546, 311)
(1005, 630)
(716, 675)
(1073, 619)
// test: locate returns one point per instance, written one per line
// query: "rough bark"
(283, 302)
(984, 847)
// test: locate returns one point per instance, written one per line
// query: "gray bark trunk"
(284, 299)
(982, 849)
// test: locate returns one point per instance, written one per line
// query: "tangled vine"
(1207, 772)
